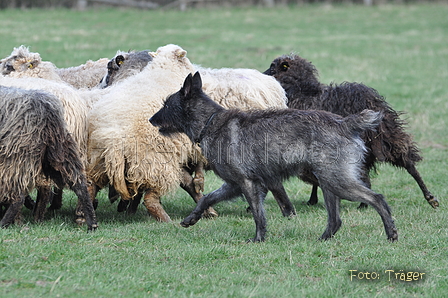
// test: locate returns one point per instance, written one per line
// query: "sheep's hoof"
(433, 202)
(198, 182)
(92, 227)
(210, 213)
(80, 221)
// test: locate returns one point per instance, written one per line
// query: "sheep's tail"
(366, 120)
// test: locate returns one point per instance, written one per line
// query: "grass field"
(402, 51)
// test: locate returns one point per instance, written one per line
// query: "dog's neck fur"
(204, 112)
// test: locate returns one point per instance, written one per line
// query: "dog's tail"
(366, 120)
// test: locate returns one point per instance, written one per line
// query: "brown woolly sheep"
(35, 143)
(388, 143)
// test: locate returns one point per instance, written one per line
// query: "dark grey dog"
(253, 152)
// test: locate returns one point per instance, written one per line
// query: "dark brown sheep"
(388, 143)
(35, 143)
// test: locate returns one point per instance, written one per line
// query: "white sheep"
(230, 87)
(125, 149)
(23, 63)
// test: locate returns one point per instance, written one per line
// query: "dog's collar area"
(204, 129)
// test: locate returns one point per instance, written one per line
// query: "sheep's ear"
(186, 89)
(197, 81)
(32, 63)
(180, 53)
(119, 60)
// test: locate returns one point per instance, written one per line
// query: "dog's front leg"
(225, 192)
(255, 195)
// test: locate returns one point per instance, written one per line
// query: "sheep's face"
(125, 65)
(292, 67)
(19, 61)
(17, 64)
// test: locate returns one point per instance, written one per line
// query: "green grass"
(400, 50)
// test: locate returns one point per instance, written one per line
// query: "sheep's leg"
(113, 194)
(29, 203)
(43, 198)
(133, 203)
(12, 212)
(283, 200)
(313, 197)
(122, 205)
(225, 192)
(154, 206)
(428, 196)
(93, 191)
(190, 187)
(56, 202)
(84, 199)
(199, 179)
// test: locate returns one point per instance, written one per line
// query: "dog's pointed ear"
(197, 81)
(188, 84)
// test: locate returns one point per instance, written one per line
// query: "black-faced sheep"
(125, 150)
(35, 143)
(23, 63)
(124, 65)
(388, 143)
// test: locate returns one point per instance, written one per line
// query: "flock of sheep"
(99, 135)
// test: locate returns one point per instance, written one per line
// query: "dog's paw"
(433, 202)
(188, 221)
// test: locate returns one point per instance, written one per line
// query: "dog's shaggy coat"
(34, 142)
(253, 152)
(388, 143)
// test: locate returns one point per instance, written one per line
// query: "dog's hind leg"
(313, 197)
(410, 167)
(283, 200)
(355, 191)
(332, 203)
(225, 192)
